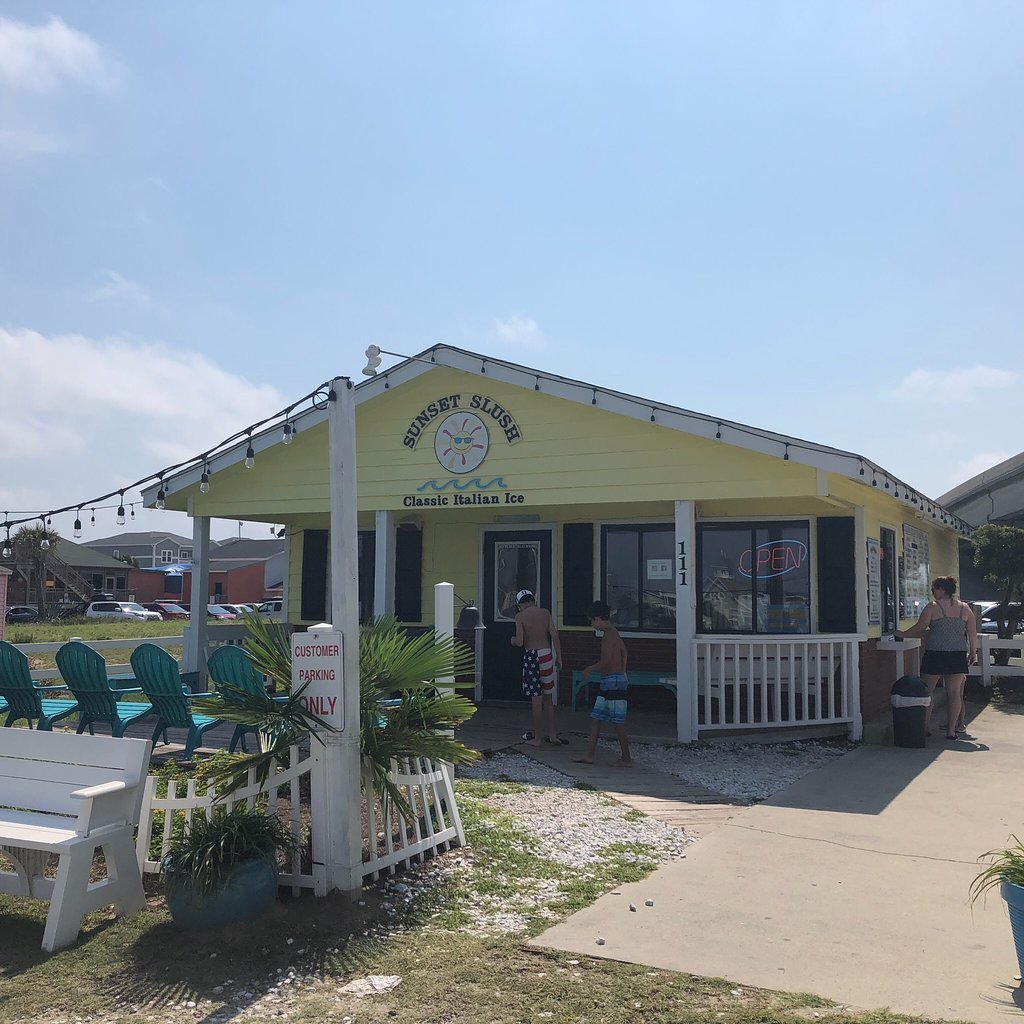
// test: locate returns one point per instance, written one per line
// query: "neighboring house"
(237, 581)
(240, 552)
(73, 573)
(147, 549)
(758, 573)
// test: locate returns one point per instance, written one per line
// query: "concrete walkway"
(851, 884)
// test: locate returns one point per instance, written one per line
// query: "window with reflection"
(638, 582)
(754, 577)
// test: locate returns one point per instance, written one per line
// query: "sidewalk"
(851, 884)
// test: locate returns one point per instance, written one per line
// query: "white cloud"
(119, 289)
(22, 142)
(518, 329)
(83, 416)
(962, 384)
(39, 58)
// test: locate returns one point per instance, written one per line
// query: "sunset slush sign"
(317, 667)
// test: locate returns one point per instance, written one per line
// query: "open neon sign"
(773, 558)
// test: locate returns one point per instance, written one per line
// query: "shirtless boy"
(610, 705)
(542, 659)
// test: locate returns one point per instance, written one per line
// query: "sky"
(805, 217)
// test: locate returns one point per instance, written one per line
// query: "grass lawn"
(292, 964)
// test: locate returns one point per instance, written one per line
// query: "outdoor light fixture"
(161, 495)
(469, 617)
(92, 518)
(77, 532)
(718, 432)
(6, 553)
(44, 544)
(373, 354)
(785, 458)
(204, 480)
(120, 509)
(250, 455)
(289, 431)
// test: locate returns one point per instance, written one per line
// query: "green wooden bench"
(665, 680)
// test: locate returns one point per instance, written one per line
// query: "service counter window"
(636, 572)
(754, 577)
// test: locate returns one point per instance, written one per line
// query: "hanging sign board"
(317, 666)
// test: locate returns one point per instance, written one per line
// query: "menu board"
(874, 582)
(915, 587)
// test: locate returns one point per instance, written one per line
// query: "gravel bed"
(745, 771)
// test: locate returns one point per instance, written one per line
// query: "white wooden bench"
(69, 795)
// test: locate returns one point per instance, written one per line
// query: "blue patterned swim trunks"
(610, 705)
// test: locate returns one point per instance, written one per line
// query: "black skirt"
(944, 663)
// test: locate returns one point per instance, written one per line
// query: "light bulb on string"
(49, 520)
(120, 509)
(161, 495)
(77, 532)
(289, 430)
(204, 480)
(92, 518)
(132, 513)
(6, 553)
(250, 455)
(44, 543)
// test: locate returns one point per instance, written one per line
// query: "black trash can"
(910, 700)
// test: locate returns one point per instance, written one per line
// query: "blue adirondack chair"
(24, 697)
(85, 672)
(158, 675)
(231, 665)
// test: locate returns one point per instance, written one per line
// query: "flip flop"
(528, 735)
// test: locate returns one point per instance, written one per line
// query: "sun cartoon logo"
(461, 442)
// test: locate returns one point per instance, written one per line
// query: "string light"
(92, 518)
(204, 480)
(44, 543)
(718, 432)
(120, 509)
(536, 382)
(593, 396)
(287, 436)
(861, 461)
(161, 494)
(250, 455)
(785, 458)
(6, 553)
(78, 525)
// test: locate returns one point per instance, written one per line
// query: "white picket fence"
(393, 842)
(984, 667)
(775, 682)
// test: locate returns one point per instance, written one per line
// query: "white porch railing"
(393, 842)
(984, 667)
(771, 682)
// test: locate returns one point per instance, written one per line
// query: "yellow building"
(751, 573)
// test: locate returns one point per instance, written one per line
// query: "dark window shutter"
(367, 567)
(577, 572)
(837, 567)
(314, 575)
(409, 576)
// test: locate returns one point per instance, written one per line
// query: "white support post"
(338, 761)
(444, 627)
(197, 634)
(384, 565)
(686, 648)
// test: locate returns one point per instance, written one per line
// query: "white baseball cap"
(523, 595)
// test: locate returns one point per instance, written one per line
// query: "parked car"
(21, 613)
(239, 609)
(121, 610)
(166, 609)
(271, 609)
(218, 611)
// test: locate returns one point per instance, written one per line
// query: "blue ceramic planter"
(247, 892)
(1014, 897)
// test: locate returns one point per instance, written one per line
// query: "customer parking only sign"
(317, 666)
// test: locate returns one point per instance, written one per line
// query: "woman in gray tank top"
(951, 640)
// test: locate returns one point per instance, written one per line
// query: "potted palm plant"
(223, 868)
(1005, 868)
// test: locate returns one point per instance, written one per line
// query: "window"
(166, 556)
(185, 555)
(117, 552)
(637, 578)
(754, 577)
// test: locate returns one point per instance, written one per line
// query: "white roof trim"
(741, 435)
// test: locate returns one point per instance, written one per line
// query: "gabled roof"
(79, 556)
(147, 539)
(246, 549)
(741, 435)
(994, 496)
